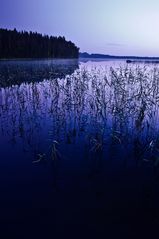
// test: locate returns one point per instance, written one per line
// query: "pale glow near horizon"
(117, 27)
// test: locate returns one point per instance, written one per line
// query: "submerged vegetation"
(104, 112)
(14, 44)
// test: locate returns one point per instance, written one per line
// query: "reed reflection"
(102, 112)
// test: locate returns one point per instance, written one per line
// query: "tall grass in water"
(115, 106)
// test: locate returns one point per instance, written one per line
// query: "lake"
(79, 148)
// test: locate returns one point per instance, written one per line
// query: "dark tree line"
(14, 44)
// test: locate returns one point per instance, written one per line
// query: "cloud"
(116, 44)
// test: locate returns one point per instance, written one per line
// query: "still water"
(79, 148)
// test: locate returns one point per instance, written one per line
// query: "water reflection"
(17, 72)
(80, 149)
(113, 111)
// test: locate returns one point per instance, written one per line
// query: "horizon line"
(116, 56)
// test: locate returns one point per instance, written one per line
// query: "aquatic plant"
(117, 106)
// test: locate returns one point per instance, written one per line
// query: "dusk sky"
(117, 27)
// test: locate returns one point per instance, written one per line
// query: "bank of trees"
(14, 44)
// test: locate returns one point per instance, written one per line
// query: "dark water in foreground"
(79, 149)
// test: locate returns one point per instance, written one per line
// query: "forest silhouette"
(14, 44)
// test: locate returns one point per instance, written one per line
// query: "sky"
(116, 27)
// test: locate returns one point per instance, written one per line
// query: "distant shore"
(103, 56)
(143, 61)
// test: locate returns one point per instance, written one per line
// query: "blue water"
(79, 149)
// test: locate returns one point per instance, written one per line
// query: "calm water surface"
(79, 148)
